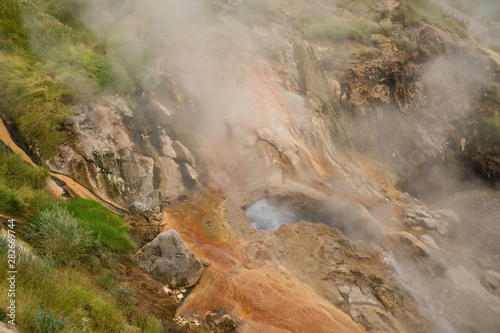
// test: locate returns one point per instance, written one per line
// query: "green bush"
(406, 14)
(46, 322)
(58, 235)
(125, 297)
(109, 227)
(107, 282)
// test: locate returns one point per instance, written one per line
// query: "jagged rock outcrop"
(121, 155)
(169, 260)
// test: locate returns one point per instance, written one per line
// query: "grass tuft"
(46, 322)
(57, 235)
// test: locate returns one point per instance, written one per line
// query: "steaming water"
(266, 217)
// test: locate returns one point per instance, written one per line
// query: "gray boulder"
(169, 260)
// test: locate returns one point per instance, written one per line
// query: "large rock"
(170, 261)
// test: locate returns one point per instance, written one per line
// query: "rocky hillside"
(323, 114)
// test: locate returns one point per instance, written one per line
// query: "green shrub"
(57, 235)
(109, 227)
(125, 297)
(46, 322)
(406, 14)
(107, 282)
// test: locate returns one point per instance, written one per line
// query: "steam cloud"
(230, 97)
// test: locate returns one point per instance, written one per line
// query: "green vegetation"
(35, 102)
(53, 289)
(406, 14)
(107, 282)
(22, 187)
(411, 13)
(319, 25)
(109, 228)
(54, 292)
(49, 299)
(125, 297)
(49, 59)
(46, 322)
(72, 231)
(57, 235)
(490, 126)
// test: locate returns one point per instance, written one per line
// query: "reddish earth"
(261, 298)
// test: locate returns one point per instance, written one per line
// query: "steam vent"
(249, 166)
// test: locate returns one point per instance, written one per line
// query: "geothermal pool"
(266, 216)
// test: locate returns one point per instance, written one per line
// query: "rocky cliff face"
(243, 111)
(127, 155)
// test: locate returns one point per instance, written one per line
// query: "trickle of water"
(266, 217)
